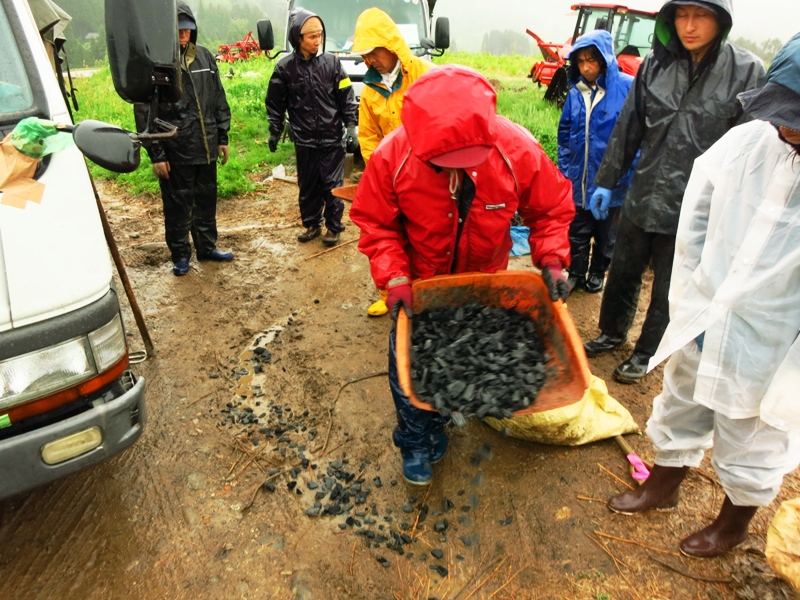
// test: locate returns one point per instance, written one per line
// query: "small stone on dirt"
(197, 481)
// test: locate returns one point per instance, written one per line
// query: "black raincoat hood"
(667, 40)
(298, 18)
(183, 9)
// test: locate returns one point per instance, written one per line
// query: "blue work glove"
(273, 143)
(599, 203)
(350, 140)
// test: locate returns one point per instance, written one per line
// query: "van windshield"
(15, 89)
(340, 18)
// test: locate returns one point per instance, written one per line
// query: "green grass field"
(250, 159)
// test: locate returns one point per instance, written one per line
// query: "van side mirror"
(266, 37)
(442, 33)
(143, 52)
(107, 145)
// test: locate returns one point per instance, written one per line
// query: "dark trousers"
(415, 427)
(583, 231)
(634, 251)
(319, 170)
(190, 205)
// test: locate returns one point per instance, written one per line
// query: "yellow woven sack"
(783, 542)
(596, 416)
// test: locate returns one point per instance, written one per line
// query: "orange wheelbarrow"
(568, 374)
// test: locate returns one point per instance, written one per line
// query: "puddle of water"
(277, 249)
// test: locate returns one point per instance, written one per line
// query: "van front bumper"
(120, 422)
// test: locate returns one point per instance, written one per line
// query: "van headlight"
(108, 344)
(64, 365)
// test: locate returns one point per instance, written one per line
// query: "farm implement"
(632, 30)
(245, 48)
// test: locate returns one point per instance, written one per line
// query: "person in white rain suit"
(733, 378)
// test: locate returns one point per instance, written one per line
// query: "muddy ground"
(183, 513)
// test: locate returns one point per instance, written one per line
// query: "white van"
(68, 398)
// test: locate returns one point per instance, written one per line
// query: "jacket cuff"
(552, 261)
(397, 281)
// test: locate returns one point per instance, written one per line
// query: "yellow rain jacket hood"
(380, 108)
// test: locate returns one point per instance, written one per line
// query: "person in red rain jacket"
(437, 197)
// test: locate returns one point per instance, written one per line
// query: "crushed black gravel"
(477, 360)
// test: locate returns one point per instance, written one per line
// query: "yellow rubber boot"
(379, 308)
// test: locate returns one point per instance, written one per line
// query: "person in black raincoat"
(186, 166)
(682, 101)
(315, 90)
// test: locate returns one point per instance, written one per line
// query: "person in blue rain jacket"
(597, 93)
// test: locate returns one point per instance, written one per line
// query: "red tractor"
(632, 30)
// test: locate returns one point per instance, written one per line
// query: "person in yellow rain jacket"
(392, 68)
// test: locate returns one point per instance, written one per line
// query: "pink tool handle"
(640, 472)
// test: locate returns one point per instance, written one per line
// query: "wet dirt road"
(250, 386)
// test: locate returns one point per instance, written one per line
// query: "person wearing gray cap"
(682, 101)
(186, 166)
(734, 369)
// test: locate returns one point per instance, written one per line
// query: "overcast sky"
(552, 20)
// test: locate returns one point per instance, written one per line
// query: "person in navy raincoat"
(314, 89)
(593, 103)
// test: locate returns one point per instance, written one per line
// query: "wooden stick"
(616, 560)
(123, 274)
(635, 543)
(233, 466)
(258, 487)
(252, 458)
(485, 579)
(689, 575)
(201, 398)
(336, 399)
(590, 499)
(244, 448)
(416, 521)
(353, 558)
(471, 577)
(617, 563)
(492, 595)
(336, 247)
(625, 483)
(223, 367)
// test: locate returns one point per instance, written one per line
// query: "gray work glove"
(273, 143)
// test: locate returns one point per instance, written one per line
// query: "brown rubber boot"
(659, 492)
(725, 533)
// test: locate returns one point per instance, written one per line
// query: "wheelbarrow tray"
(567, 371)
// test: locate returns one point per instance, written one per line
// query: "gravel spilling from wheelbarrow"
(477, 360)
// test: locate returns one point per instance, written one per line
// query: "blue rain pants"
(415, 427)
